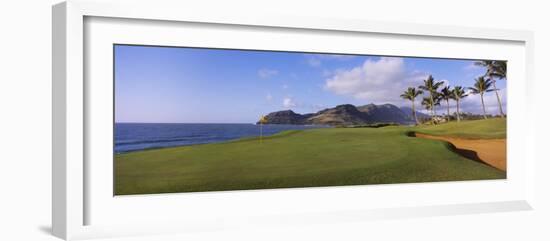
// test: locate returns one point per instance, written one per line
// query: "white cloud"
(445, 83)
(269, 97)
(314, 62)
(472, 103)
(288, 102)
(266, 73)
(285, 86)
(378, 81)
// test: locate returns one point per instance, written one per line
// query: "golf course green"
(309, 158)
(494, 128)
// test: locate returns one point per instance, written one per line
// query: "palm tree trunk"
(435, 113)
(432, 105)
(414, 112)
(448, 112)
(457, 111)
(498, 98)
(483, 105)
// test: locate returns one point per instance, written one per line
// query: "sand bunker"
(489, 151)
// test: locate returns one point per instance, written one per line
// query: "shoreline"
(313, 126)
(215, 142)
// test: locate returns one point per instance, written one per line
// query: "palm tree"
(430, 103)
(500, 69)
(446, 94)
(436, 102)
(495, 69)
(458, 93)
(427, 104)
(410, 94)
(481, 86)
(431, 86)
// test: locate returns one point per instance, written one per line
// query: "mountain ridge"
(344, 115)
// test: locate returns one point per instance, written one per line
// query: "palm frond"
(473, 90)
(458, 92)
(481, 85)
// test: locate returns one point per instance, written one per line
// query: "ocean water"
(140, 136)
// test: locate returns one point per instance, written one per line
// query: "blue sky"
(192, 85)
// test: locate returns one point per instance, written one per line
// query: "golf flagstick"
(262, 120)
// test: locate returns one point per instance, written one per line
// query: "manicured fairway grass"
(317, 157)
(494, 128)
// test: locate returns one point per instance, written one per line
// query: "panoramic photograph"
(192, 119)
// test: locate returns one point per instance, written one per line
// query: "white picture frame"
(72, 186)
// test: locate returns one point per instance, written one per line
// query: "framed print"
(177, 121)
(184, 128)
